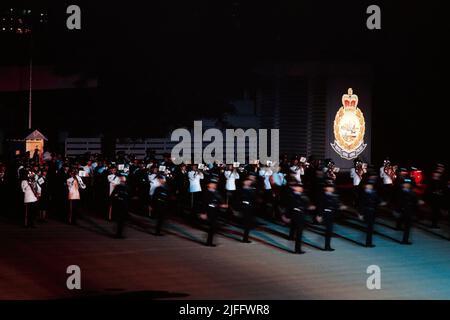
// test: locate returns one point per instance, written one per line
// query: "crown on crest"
(349, 100)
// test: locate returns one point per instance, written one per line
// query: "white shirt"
(231, 177)
(356, 178)
(47, 156)
(154, 183)
(266, 174)
(194, 181)
(74, 185)
(298, 173)
(386, 178)
(29, 196)
(278, 179)
(89, 170)
(113, 180)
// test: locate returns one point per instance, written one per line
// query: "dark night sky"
(169, 57)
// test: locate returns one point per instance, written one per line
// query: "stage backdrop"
(338, 86)
(302, 99)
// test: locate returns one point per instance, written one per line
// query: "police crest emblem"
(349, 128)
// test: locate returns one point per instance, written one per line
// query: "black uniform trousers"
(435, 204)
(297, 225)
(159, 212)
(74, 211)
(328, 221)
(120, 212)
(369, 216)
(31, 210)
(406, 223)
(213, 215)
(248, 221)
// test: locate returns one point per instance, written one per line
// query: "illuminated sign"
(349, 128)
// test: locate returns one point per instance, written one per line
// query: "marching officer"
(434, 193)
(369, 201)
(160, 203)
(181, 181)
(447, 198)
(328, 208)
(247, 202)
(119, 204)
(212, 203)
(297, 206)
(408, 203)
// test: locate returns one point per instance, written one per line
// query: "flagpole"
(30, 93)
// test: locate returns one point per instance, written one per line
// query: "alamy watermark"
(374, 280)
(373, 22)
(74, 280)
(233, 145)
(73, 21)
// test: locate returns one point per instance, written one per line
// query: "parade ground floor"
(34, 262)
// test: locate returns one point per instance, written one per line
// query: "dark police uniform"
(181, 182)
(408, 206)
(297, 205)
(160, 205)
(434, 195)
(120, 202)
(328, 208)
(368, 203)
(247, 204)
(211, 206)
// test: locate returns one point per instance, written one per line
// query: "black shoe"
(329, 249)
(159, 234)
(370, 246)
(246, 241)
(406, 242)
(211, 245)
(434, 227)
(299, 252)
(119, 237)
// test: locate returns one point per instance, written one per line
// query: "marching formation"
(296, 192)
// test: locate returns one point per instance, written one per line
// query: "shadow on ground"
(133, 295)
